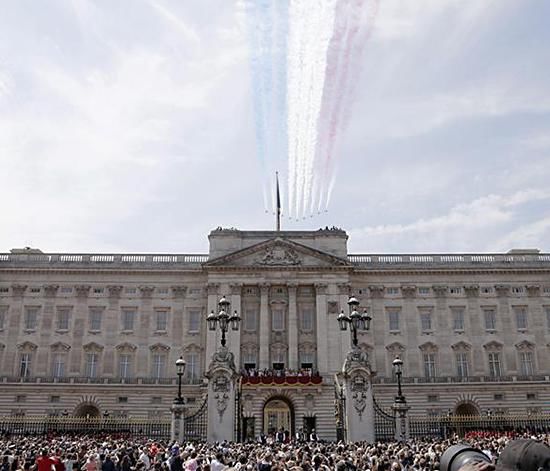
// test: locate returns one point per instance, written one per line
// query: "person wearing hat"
(524, 455)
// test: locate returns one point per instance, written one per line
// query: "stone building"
(90, 334)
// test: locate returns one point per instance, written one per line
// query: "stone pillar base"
(402, 432)
(177, 431)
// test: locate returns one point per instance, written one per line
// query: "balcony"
(272, 378)
(97, 380)
(462, 379)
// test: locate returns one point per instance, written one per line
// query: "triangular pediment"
(278, 253)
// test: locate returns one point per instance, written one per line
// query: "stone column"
(179, 292)
(476, 325)
(111, 325)
(443, 324)
(80, 327)
(48, 314)
(177, 426)
(222, 382)
(234, 338)
(14, 328)
(265, 326)
(292, 327)
(410, 329)
(508, 329)
(357, 384)
(377, 326)
(143, 330)
(321, 327)
(211, 335)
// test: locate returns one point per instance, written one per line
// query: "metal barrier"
(195, 425)
(384, 423)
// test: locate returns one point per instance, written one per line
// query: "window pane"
(128, 316)
(458, 318)
(194, 321)
(3, 313)
(162, 320)
(159, 365)
(426, 320)
(192, 368)
(462, 365)
(91, 365)
(393, 317)
(63, 318)
(521, 317)
(31, 318)
(307, 319)
(494, 364)
(250, 317)
(490, 319)
(526, 363)
(58, 367)
(429, 365)
(125, 364)
(278, 322)
(95, 319)
(25, 365)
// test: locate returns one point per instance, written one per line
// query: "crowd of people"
(117, 453)
(278, 373)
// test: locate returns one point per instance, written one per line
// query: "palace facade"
(90, 334)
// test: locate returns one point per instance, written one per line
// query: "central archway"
(87, 410)
(278, 414)
(467, 408)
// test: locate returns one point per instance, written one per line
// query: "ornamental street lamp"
(223, 319)
(356, 320)
(180, 369)
(398, 370)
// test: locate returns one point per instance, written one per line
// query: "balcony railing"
(101, 260)
(282, 379)
(378, 260)
(97, 380)
(461, 379)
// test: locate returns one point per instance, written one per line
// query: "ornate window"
(462, 358)
(3, 315)
(393, 319)
(278, 355)
(249, 355)
(277, 318)
(27, 351)
(494, 358)
(194, 321)
(63, 318)
(128, 318)
(126, 353)
(306, 318)
(193, 367)
(92, 356)
(95, 316)
(458, 318)
(429, 358)
(250, 319)
(59, 352)
(547, 313)
(307, 356)
(159, 359)
(520, 313)
(526, 354)
(426, 319)
(31, 317)
(161, 320)
(490, 318)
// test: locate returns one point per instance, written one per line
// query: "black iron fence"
(448, 425)
(384, 423)
(29, 425)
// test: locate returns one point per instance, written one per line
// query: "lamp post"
(223, 319)
(398, 370)
(400, 406)
(355, 319)
(180, 369)
(178, 406)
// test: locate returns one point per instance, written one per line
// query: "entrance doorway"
(87, 410)
(467, 408)
(278, 414)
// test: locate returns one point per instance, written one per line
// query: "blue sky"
(127, 127)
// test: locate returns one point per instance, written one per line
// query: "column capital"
(82, 290)
(409, 291)
(179, 291)
(471, 290)
(344, 288)
(50, 290)
(236, 288)
(440, 290)
(264, 288)
(321, 288)
(114, 290)
(292, 288)
(502, 290)
(212, 288)
(146, 291)
(18, 290)
(377, 291)
(533, 290)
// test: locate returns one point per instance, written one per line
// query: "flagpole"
(278, 224)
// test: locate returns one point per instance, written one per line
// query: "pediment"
(278, 253)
